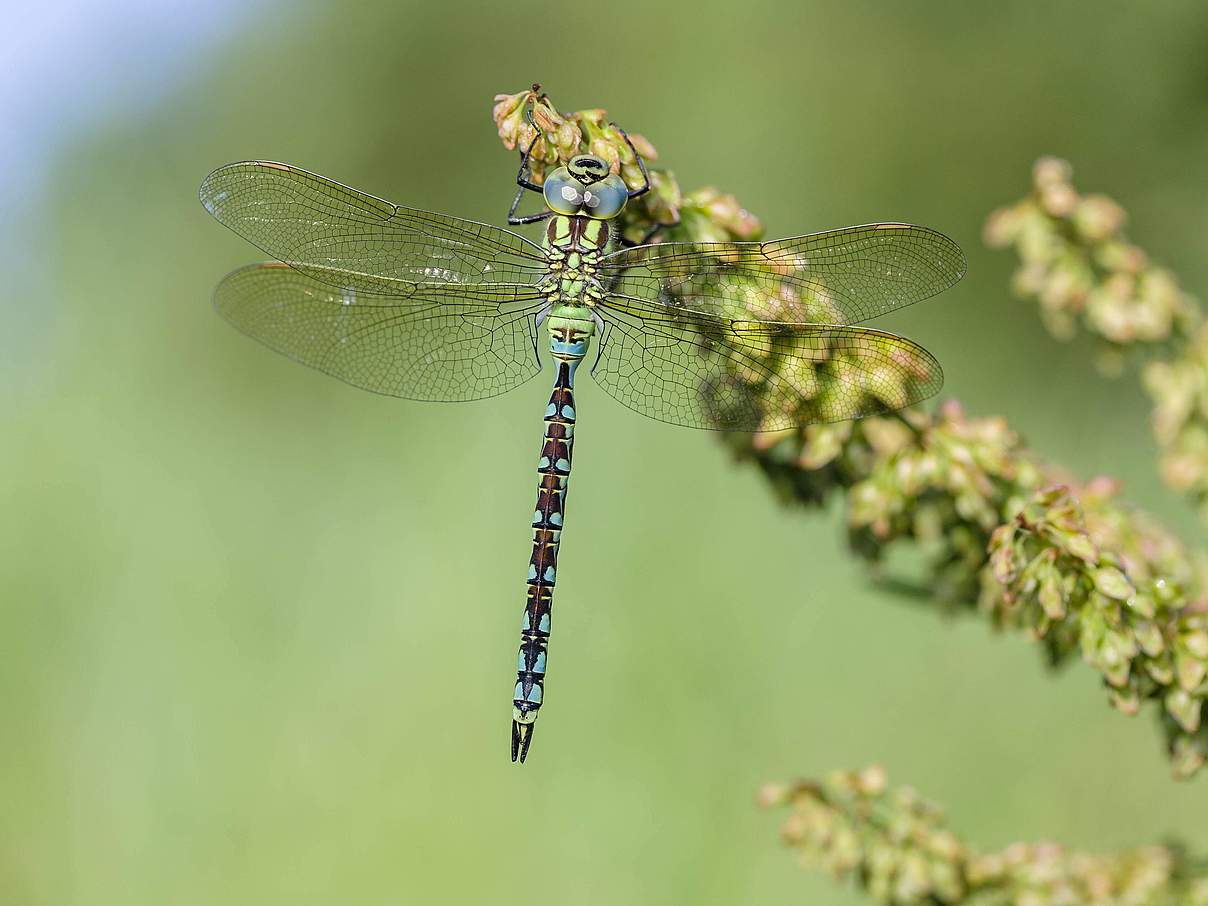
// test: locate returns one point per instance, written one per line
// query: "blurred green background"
(260, 628)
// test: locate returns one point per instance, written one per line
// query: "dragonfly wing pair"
(742, 336)
(758, 336)
(395, 300)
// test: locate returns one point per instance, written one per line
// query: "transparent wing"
(417, 349)
(745, 375)
(323, 228)
(837, 277)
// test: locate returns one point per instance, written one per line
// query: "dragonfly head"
(587, 168)
(586, 186)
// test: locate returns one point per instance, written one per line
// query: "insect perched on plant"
(741, 336)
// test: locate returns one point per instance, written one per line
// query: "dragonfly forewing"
(836, 277)
(324, 228)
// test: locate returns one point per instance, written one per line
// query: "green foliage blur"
(260, 628)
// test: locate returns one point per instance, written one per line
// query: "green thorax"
(575, 245)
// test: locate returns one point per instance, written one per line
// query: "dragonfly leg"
(524, 175)
(634, 193)
(525, 182)
(514, 218)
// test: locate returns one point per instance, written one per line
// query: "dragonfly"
(734, 336)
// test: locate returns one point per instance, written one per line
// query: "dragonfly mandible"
(741, 336)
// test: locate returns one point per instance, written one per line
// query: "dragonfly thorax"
(575, 246)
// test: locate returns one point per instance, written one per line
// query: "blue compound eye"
(605, 199)
(563, 193)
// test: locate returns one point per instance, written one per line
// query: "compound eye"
(563, 193)
(605, 199)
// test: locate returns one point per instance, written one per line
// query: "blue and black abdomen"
(553, 469)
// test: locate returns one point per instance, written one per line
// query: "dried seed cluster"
(894, 844)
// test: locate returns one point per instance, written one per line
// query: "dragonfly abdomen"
(553, 470)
